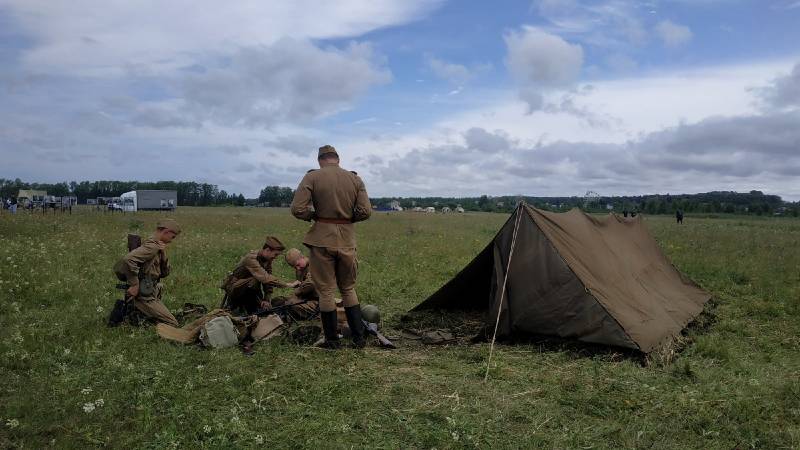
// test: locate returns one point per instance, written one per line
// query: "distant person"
(334, 199)
(624, 213)
(679, 216)
(144, 267)
(248, 288)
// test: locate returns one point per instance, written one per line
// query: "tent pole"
(503, 291)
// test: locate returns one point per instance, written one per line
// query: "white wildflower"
(99, 402)
(88, 407)
(235, 419)
(455, 435)
(259, 439)
(67, 351)
(207, 428)
(12, 423)
(86, 391)
(100, 309)
(17, 337)
(200, 367)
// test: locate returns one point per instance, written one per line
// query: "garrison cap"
(326, 149)
(169, 224)
(292, 256)
(273, 243)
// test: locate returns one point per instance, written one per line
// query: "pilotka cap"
(326, 149)
(169, 224)
(273, 243)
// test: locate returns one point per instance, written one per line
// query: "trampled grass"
(68, 381)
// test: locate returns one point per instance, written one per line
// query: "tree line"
(753, 202)
(189, 193)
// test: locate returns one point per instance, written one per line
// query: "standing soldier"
(144, 267)
(334, 199)
(249, 287)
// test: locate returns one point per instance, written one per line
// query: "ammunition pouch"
(147, 287)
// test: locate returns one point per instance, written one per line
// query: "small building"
(154, 200)
(459, 209)
(430, 209)
(445, 210)
(27, 197)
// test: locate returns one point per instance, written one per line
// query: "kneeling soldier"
(249, 287)
(305, 295)
(144, 267)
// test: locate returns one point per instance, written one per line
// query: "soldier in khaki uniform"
(249, 287)
(144, 267)
(305, 290)
(334, 199)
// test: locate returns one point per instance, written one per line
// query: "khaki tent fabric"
(596, 279)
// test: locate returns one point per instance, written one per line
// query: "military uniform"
(250, 283)
(145, 266)
(304, 292)
(334, 199)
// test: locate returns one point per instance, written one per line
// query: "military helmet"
(370, 313)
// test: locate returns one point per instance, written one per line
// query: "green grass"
(735, 385)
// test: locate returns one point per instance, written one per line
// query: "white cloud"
(451, 72)
(540, 61)
(101, 37)
(784, 91)
(290, 81)
(673, 34)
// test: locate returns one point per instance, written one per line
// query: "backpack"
(219, 332)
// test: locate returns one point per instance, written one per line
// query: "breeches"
(152, 307)
(333, 268)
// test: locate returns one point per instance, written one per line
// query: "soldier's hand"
(264, 304)
(133, 291)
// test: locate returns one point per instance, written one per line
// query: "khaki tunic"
(251, 275)
(148, 261)
(305, 291)
(332, 194)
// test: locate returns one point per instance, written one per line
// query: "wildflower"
(100, 309)
(67, 351)
(99, 402)
(12, 423)
(207, 429)
(88, 407)
(200, 367)
(17, 337)
(86, 391)
(455, 435)
(259, 439)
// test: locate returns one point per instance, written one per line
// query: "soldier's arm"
(258, 272)
(305, 289)
(302, 207)
(363, 208)
(166, 268)
(136, 258)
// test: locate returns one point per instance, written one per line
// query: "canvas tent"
(595, 279)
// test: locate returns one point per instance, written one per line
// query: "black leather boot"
(329, 329)
(356, 325)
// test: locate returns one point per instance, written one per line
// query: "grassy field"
(70, 382)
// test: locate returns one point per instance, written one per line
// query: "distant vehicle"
(114, 206)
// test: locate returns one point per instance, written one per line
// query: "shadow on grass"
(469, 327)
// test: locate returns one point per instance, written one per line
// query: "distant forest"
(204, 194)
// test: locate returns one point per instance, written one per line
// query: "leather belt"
(336, 221)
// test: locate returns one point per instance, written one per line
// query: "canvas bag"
(219, 332)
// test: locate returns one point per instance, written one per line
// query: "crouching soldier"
(143, 268)
(249, 286)
(305, 296)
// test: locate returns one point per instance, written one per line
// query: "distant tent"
(576, 276)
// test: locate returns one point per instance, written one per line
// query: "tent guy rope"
(503, 291)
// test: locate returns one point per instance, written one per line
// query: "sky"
(420, 97)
